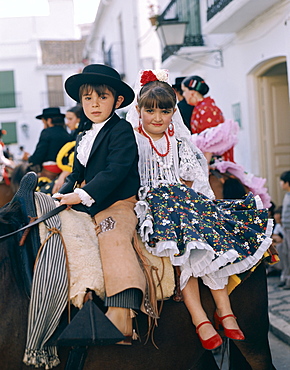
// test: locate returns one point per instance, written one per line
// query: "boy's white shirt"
(83, 152)
(85, 145)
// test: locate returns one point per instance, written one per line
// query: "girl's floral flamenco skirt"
(211, 239)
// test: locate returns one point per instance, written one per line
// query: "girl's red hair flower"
(147, 76)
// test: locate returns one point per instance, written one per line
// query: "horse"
(10, 184)
(176, 344)
(6, 193)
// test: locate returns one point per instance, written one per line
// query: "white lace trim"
(191, 169)
(85, 145)
(198, 261)
(259, 203)
(246, 264)
(155, 170)
(86, 199)
(215, 284)
(183, 163)
(198, 258)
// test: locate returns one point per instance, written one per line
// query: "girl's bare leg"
(223, 307)
(192, 301)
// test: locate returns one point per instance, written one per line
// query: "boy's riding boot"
(121, 318)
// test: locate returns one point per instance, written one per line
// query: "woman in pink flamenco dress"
(216, 136)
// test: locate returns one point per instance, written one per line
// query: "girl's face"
(97, 107)
(71, 120)
(189, 95)
(155, 120)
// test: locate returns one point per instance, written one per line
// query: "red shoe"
(211, 343)
(235, 334)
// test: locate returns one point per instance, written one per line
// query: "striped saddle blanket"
(84, 263)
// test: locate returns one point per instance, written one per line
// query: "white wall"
(20, 52)
(106, 34)
(266, 37)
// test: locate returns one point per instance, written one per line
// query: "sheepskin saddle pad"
(84, 262)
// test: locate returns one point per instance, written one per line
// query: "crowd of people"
(150, 171)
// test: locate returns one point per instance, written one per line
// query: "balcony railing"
(193, 40)
(215, 6)
(183, 11)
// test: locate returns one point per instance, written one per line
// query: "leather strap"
(42, 218)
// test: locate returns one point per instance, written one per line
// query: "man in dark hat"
(51, 140)
(184, 108)
(106, 170)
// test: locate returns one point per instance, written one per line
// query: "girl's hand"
(69, 199)
(187, 183)
(208, 156)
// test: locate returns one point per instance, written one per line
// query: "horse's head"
(17, 174)
(10, 217)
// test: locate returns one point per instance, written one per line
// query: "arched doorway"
(273, 112)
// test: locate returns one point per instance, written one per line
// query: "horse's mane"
(18, 172)
(10, 215)
(11, 218)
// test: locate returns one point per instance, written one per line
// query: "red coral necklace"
(141, 131)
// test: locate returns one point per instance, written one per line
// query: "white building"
(242, 49)
(122, 37)
(37, 54)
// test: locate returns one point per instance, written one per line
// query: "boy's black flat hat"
(178, 81)
(50, 112)
(98, 74)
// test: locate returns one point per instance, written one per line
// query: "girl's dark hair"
(77, 110)
(196, 83)
(285, 176)
(157, 94)
(99, 89)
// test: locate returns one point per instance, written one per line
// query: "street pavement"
(279, 309)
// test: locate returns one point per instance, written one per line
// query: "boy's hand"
(69, 199)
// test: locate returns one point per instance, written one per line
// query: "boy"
(285, 250)
(106, 168)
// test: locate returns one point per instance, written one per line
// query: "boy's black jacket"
(111, 173)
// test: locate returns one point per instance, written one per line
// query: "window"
(11, 136)
(55, 91)
(7, 91)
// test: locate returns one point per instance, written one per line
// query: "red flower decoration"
(147, 76)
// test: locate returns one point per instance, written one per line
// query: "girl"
(207, 239)
(73, 117)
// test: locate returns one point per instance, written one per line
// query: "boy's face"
(284, 185)
(97, 107)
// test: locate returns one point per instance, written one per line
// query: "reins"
(42, 218)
